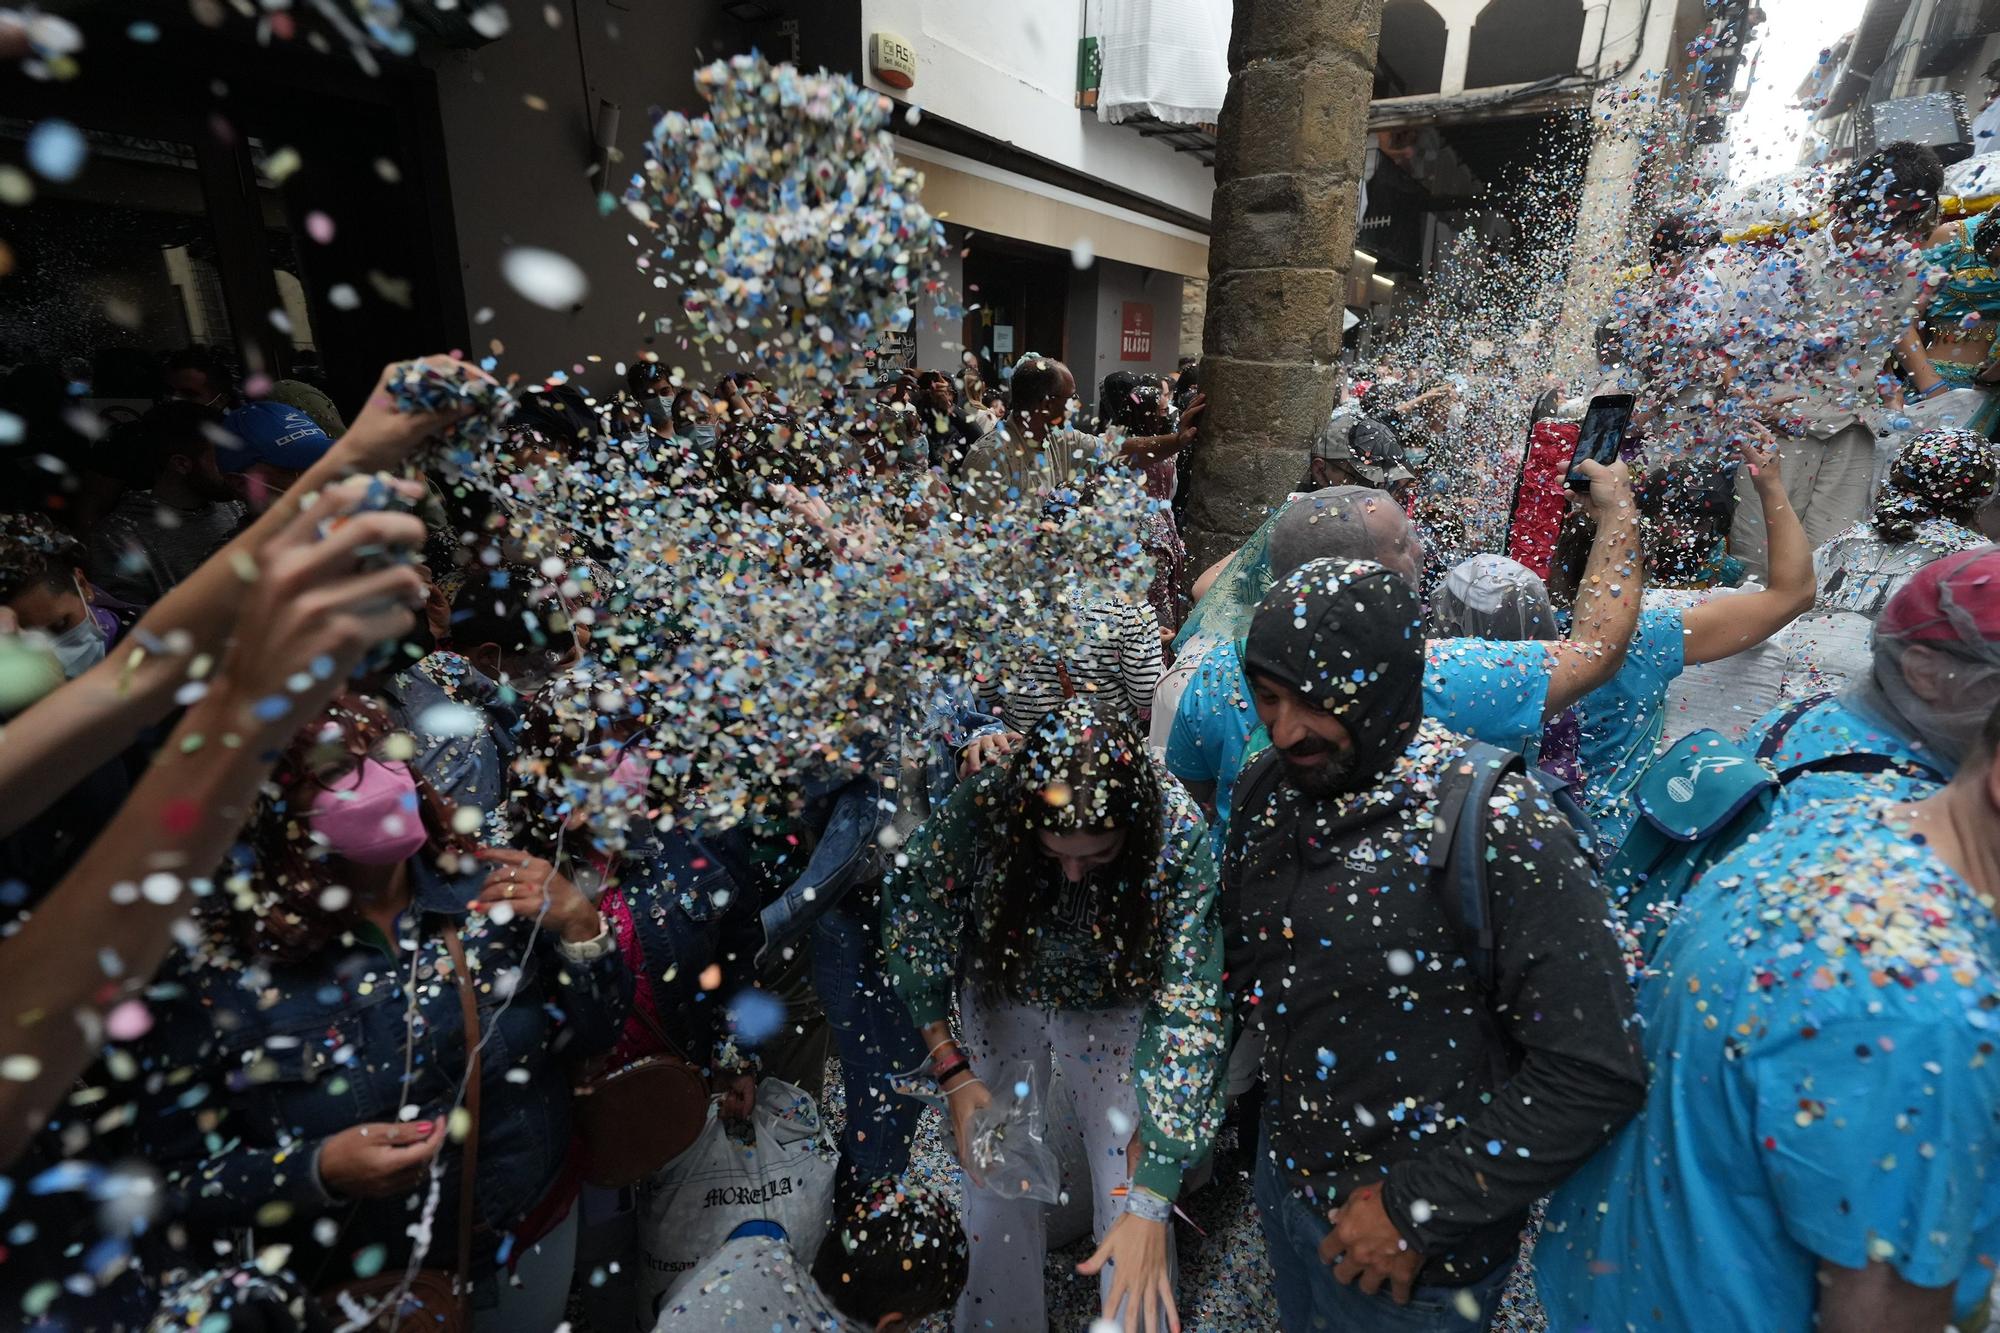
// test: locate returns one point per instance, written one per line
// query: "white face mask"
(80, 647)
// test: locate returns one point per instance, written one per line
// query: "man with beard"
(1428, 1076)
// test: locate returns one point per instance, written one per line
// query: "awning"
(989, 199)
(1168, 59)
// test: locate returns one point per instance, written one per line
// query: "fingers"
(1330, 1247)
(1167, 1304)
(302, 566)
(399, 586)
(341, 503)
(401, 1135)
(1346, 1271)
(342, 639)
(432, 1142)
(1399, 1287)
(506, 856)
(1089, 1267)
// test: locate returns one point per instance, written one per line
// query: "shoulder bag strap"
(469, 1158)
(1774, 739)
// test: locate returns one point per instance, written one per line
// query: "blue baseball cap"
(273, 433)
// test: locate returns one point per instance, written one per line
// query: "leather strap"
(651, 1023)
(469, 1156)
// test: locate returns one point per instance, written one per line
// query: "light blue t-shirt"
(1488, 689)
(1819, 1027)
(1622, 720)
(1835, 727)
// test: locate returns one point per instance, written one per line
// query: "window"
(1409, 62)
(1522, 41)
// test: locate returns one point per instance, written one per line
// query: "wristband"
(1143, 1203)
(592, 949)
(956, 1067)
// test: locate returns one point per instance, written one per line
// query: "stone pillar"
(1287, 176)
(1194, 310)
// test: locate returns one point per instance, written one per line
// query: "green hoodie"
(939, 897)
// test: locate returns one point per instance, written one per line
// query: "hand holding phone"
(1603, 431)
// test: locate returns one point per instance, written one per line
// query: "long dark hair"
(284, 916)
(1079, 772)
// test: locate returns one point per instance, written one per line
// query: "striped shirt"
(1106, 649)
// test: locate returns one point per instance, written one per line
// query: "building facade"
(321, 207)
(1510, 120)
(1920, 69)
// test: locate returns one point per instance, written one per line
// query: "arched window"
(1409, 62)
(1520, 41)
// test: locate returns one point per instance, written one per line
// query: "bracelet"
(1143, 1203)
(958, 1066)
(592, 949)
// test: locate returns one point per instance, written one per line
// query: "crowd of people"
(1581, 916)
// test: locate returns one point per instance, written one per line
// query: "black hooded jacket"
(1381, 1048)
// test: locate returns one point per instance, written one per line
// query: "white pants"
(1004, 1289)
(1830, 482)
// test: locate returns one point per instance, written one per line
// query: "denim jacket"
(252, 1068)
(464, 756)
(692, 904)
(848, 820)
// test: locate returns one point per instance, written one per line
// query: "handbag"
(633, 1120)
(432, 1300)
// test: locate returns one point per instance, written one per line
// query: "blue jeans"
(876, 1040)
(1311, 1301)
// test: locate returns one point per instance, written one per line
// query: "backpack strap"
(1767, 749)
(1863, 763)
(1254, 785)
(1853, 762)
(1463, 798)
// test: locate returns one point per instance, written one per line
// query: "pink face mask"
(373, 820)
(632, 773)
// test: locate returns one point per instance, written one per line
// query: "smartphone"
(1603, 431)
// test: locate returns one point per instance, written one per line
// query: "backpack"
(1458, 843)
(1699, 800)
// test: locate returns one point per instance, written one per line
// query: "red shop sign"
(1135, 336)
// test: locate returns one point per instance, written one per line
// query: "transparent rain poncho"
(1492, 597)
(1941, 629)
(1338, 523)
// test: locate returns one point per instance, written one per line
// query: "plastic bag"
(1010, 1152)
(784, 1174)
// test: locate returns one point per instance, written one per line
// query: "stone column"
(1287, 174)
(1194, 311)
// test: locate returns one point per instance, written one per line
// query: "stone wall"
(1290, 151)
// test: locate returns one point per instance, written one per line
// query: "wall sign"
(1003, 339)
(1135, 334)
